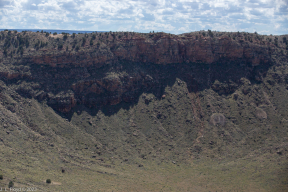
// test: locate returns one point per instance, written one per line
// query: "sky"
(171, 16)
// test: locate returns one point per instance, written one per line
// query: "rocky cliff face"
(120, 66)
(163, 49)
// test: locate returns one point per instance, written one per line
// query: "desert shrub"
(11, 184)
(285, 40)
(93, 36)
(217, 118)
(210, 33)
(16, 43)
(91, 42)
(65, 36)
(276, 41)
(27, 42)
(1, 177)
(77, 48)
(83, 41)
(48, 181)
(55, 33)
(60, 46)
(7, 42)
(5, 52)
(37, 44)
(20, 50)
(73, 35)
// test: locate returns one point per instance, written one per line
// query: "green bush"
(55, 33)
(1, 177)
(11, 184)
(48, 181)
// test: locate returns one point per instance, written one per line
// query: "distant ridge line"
(53, 30)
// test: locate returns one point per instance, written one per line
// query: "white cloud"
(267, 16)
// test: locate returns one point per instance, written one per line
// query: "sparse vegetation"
(11, 184)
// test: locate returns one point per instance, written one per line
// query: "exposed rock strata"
(116, 71)
(163, 50)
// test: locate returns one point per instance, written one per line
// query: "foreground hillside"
(202, 111)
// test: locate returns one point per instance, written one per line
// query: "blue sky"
(263, 16)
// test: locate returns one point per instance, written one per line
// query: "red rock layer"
(162, 50)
